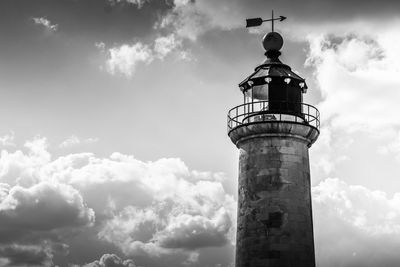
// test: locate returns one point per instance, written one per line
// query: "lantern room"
(273, 93)
(274, 81)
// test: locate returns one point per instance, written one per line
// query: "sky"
(114, 150)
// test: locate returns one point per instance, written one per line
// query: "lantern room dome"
(272, 69)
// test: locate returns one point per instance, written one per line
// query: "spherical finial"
(272, 41)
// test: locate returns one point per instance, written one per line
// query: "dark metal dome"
(272, 68)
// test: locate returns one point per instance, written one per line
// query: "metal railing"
(265, 111)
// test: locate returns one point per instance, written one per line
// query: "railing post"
(252, 99)
(237, 108)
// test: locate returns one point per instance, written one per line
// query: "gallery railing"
(273, 111)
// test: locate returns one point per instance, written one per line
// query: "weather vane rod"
(258, 21)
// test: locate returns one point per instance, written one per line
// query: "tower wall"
(274, 225)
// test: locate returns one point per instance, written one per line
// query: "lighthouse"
(273, 129)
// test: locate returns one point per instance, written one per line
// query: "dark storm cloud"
(44, 206)
(192, 19)
(326, 10)
(85, 18)
(118, 21)
(315, 10)
(21, 255)
(32, 219)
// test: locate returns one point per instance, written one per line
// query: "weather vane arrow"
(254, 22)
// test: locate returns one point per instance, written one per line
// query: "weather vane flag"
(254, 22)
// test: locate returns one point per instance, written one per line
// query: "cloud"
(100, 45)
(355, 226)
(38, 147)
(164, 209)
(34, 213)
(165, 213)
(157, 210)
(328, 152)
(7, 140)
(46, 23)
(111, 260)
(44, 206)
(21, 168)
(356, 75)
(138, 3)
(165, 45)
(192, 232)
(25, 255)
(73, 140)
(392, 148)
(124, 59)
(185, 20)
(190, 19)
(168, 228)
(33, 219)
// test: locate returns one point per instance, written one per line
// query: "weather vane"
(258, 21)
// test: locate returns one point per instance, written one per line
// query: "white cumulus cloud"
(355, 226)
(111, 260)
(74, 140)
(125, 58)
(357, 77)
(165, 212)
(150, 209)
(46, 23)
(165, 45)
(190, 19)
(7, 140)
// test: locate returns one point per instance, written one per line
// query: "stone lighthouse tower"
(273, 130)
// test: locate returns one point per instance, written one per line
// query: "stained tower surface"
(273, 129)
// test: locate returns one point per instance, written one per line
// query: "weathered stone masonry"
(274, 210)
(274, 226)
